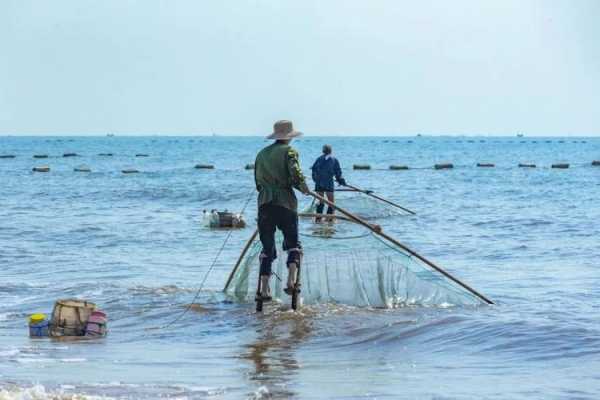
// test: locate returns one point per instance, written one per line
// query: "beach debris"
(223, 219)
(596, 163)
(38, 325)
(398, 167)
(43, 168)
(486, 165)
(82, 168)
(444, 166)
(521, 165)
(141, 155)
(361, 167)
(73, 318)
(249, 166)
(204, 166)
(106, 154)
(40, 156)
(560, 166)
(70, 155)
(7, 156)
(130, 171)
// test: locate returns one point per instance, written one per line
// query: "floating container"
(7, 156)
(96, 325)
(223, 219)
(38, 325)
(40, 156)
(444, 166)
(204, 166)
(43, 168)
(560, 166)
(249, 166)
(141, 155)
(105, 154)
(70, 317)
(70, 155)
(398, 167)
(130, 171)
(527, 165)
(82, 168)
(486, 165)
(596, 163)
(362, 166)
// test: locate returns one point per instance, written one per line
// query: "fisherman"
(325, 168)
(276, 173)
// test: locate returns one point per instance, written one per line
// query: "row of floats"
(359, 167)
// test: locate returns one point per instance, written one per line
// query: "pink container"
(96, 324)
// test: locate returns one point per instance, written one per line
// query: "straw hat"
(284, 130)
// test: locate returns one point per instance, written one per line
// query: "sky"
(334, 67)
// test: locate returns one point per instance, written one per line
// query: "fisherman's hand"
(342, 182)
(368, 191)
(304, 189)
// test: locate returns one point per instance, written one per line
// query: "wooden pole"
(368, 193)
(377, 230)
(239, 261)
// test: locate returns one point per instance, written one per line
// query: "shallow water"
(134, 244)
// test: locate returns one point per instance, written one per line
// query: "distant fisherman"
(276, 173)
(325, 168)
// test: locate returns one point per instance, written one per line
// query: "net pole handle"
(368, 193)
(239, 261)
(377, 230)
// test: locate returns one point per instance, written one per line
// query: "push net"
(362, 205)
(345, 263)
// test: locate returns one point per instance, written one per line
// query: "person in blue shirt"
(325, 168)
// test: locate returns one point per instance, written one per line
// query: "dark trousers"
(270, 218)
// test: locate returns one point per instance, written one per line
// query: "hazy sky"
(333, 67)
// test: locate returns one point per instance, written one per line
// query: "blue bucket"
(39, 329)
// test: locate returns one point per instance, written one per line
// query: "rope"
(197, 294)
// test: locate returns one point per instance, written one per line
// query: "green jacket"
(276, 172)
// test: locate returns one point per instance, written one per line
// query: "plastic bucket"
(38, 325)
(96, 324)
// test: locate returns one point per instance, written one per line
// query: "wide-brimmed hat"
(284, 130)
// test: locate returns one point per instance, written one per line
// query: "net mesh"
(361, 204)
(345, 263)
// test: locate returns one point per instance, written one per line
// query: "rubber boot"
(291, 281)
(265, 289)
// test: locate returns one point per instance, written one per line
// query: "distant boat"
(519, 135)
(110, 134)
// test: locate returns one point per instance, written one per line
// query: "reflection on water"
(273, 352)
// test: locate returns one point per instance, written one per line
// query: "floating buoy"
(362, 166)
(7, 156)
(70, 155)
(40, 156)
(486, 165)
(560, 166)
(398, 167)
(527, 165)
(141, 155)
(105, 154)
(444, 166)
(204, 166)
(82, 168)
(130, 171)
(249, 166)
(596, 163)
(43, 168)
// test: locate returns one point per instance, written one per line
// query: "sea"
(136, 245)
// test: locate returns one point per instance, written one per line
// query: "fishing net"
(361, 204)
(345, 263)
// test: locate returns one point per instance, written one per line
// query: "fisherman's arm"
(338, 173)
(298, 179)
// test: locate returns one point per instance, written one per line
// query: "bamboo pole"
(377, 230)
(369, 193)
(239, 261)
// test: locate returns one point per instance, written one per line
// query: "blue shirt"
(323, 170)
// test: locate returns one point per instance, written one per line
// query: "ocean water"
(135, 245)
